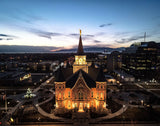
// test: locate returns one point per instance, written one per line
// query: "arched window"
(59, 95)
(80, 95)
(101, 95)
(85, 96)
(92, 94)
(69, 94)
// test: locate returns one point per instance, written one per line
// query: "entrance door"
(80, 107)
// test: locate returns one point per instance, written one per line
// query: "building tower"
(80, 58)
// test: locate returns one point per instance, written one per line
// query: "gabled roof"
(59, 76)
(100, 76)
(72, 80)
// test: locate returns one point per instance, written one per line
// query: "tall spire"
(80, 46)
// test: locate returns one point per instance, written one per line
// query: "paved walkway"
(80, 118)
(21, 102)
(109, 116)
(148, 90)
(49, 115)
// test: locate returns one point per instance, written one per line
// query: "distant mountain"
(48, 49)
(93, 49)
(25, 49)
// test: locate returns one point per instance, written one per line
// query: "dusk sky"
(106, 23)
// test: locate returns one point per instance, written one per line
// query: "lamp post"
(5, 101)
(123, 115)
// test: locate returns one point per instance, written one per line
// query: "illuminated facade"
(81, 87)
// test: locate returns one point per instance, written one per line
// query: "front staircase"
(80, 118)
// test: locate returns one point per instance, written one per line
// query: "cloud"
(44, 34)
(73, 34)
(104, 25)
(7, 37)
(24, 16)
(121, 33)
(133, 38)
(4, 35)
(100, 33)
(89, 35)
(97, 41)
(85, 37)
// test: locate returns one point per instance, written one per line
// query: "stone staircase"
(81, 118)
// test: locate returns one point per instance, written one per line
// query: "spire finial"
(80, 31)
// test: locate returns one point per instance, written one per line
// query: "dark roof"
(59, 76)
(67, 72)
(80, 47)
(72, 80)
(100, 76)
(93, 65)
(93, 72)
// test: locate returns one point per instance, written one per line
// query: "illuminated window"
(80, 95)
(59, 95)
(97, 95)
(92, 103)
(92, 94)
(101, 95)
(80, 61)
(86, 96)
(69, 94)
(69, 104)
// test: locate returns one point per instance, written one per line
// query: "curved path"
(49, 115)
(109, 116)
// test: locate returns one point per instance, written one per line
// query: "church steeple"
(80, 46)
(80, 58)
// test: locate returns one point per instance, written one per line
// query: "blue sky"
(110, 23)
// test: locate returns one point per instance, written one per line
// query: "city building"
(82, 87)
(114, 61)
(111, 60)
(141, 59)
(13, 77)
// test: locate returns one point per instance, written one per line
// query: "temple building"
(81, 87)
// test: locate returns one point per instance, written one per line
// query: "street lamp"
(123, 112)
(142, 102)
